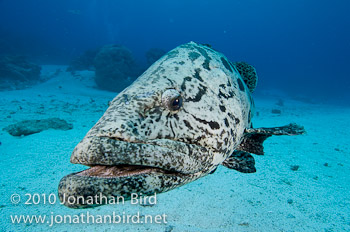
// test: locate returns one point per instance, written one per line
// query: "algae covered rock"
(28, 127)
(114, 65)
(84, 61)
(18, 68)
(16, 72)
(115, 68)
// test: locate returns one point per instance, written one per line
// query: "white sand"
(313, 198)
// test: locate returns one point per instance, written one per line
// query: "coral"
(83, 62)
(115, 68)
(28, 127)
(248, 74)
(153, 54)
(18, 68)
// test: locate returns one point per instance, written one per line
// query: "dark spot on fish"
(222, 108)
(158, 70)
(158, 112)
(182, 62)
(176, 117)
(221, 94)
(188, 125)
(219, 145)
(201, 91)
(227, 96)
(222, 133)
(234, 118)
(203, 52)
(241, 87)
(226, 122)
(190, 150)
(170, 81)
(126, 98)
(226, 64)
(183, 85)
(141, 117)
(213, 125)
(176, 69)
(226, 141)
(206, 56)
(196, 75)
(193, 56)
(168, 116)
(237, 121)
(206, 64)
(135, 131)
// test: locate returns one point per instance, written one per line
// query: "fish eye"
(172, 100)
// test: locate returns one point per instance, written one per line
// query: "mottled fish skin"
(137, 129)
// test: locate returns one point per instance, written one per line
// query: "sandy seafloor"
(275, 198)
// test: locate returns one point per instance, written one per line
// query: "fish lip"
(124, 170)
(168, 156)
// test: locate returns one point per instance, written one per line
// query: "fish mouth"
(114, 157)
(123, 170)
(120, 168)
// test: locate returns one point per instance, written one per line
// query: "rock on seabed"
(28, 127)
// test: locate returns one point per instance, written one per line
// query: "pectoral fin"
(254, 138)
(240, 161)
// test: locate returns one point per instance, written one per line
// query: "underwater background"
(54, 63)
(299, 47)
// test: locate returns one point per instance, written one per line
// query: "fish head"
(176, 123)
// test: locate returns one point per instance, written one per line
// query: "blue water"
(299, 47)
(301, 51)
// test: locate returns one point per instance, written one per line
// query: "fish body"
(188, 113)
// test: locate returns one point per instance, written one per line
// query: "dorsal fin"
(248, 73)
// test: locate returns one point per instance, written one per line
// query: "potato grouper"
(190, 112)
